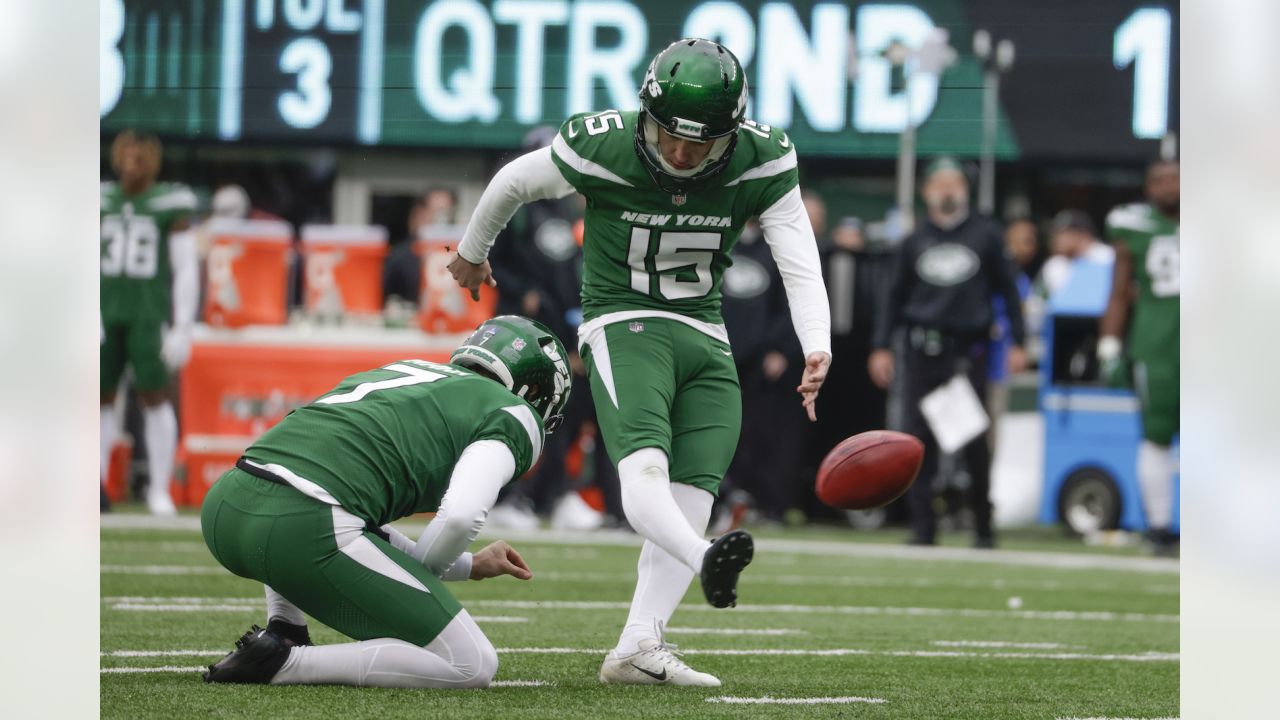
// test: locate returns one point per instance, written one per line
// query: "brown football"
(869, 470)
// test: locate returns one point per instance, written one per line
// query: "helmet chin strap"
(651, 146)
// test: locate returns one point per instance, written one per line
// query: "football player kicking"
(305, 508)
(149, 270)
(669, 189)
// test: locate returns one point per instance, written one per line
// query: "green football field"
(831, 624)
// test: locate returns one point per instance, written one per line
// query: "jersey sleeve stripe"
(769, 169)
(182, 199)
(571, 158)
(530, 424)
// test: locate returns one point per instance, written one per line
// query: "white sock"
(279, 607)
(1156, 469)
(460, 657)
(652, 510)
(662, 580)
(107, 431)
(160, 426)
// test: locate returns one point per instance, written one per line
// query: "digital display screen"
(1091, 79)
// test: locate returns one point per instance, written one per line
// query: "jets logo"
(947, 264)
(651, 82)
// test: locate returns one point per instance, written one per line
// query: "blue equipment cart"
(1091, 431)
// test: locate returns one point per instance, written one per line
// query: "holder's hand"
(472, 276)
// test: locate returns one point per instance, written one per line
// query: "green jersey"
(383, 443)
(135, 248)
(646, 249)
(1152, 239)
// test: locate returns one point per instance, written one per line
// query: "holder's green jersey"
(1152, 239)
(646, 249)
(135, 248)
(383, 443)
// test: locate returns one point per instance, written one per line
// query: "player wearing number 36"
(150, 285)
(669, 188)
(305, 511)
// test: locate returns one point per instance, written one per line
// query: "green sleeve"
(594, 150)
(773, 172)
(517, 427)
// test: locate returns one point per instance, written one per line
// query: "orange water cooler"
(247, 272)
(443, 306)
(343, 269)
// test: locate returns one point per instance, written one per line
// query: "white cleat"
(655, 664)
(573, 513)
(161, 505)
(513, 516)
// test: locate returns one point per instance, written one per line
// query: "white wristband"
(459, 570)
(1108, 348)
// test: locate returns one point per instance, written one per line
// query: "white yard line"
(163, 653)
(723, 652)
(162, 570)
(163, 604)
(767, 700)
(734, 631)
(499, 619)
(161, 669)
(200, 668)
(823, 548)
(998, 644)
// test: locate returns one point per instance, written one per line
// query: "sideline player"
(669, 189)
(305, 508)
(1147, 264)
(150, 286)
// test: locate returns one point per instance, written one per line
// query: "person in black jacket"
(855, 272)
(939, 295)
(769, 362)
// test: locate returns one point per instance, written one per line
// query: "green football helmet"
(524, 356)
(694, 89)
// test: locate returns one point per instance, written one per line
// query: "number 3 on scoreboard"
(307, 106)
(675, 251)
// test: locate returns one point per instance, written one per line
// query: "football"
(869, 470)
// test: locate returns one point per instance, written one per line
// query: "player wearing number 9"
(149, 288)
(1147, 275)
(306, 508)
(669, 189)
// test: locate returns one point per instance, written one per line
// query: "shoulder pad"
(174, 196)
(1134, 216)
(598, 145)
(763, 151)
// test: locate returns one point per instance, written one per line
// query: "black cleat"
(258, 656)
(721, 565)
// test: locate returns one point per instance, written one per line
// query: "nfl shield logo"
(678, 199)
(518, 344)
(636, 327)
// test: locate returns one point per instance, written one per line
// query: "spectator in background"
(538, 266)
(768, 359)
(940, 290)
(1072, 238)
(1023, 247)
(854, 275)
(1022, 240)
(402, 271)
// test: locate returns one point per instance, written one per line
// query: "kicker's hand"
(499, 558)
(815, 373)
(472, 276)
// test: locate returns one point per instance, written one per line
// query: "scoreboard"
(1094, 78)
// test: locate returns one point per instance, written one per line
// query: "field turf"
(832, 624)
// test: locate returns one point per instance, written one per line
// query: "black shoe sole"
(258, 656)
(722, 564)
